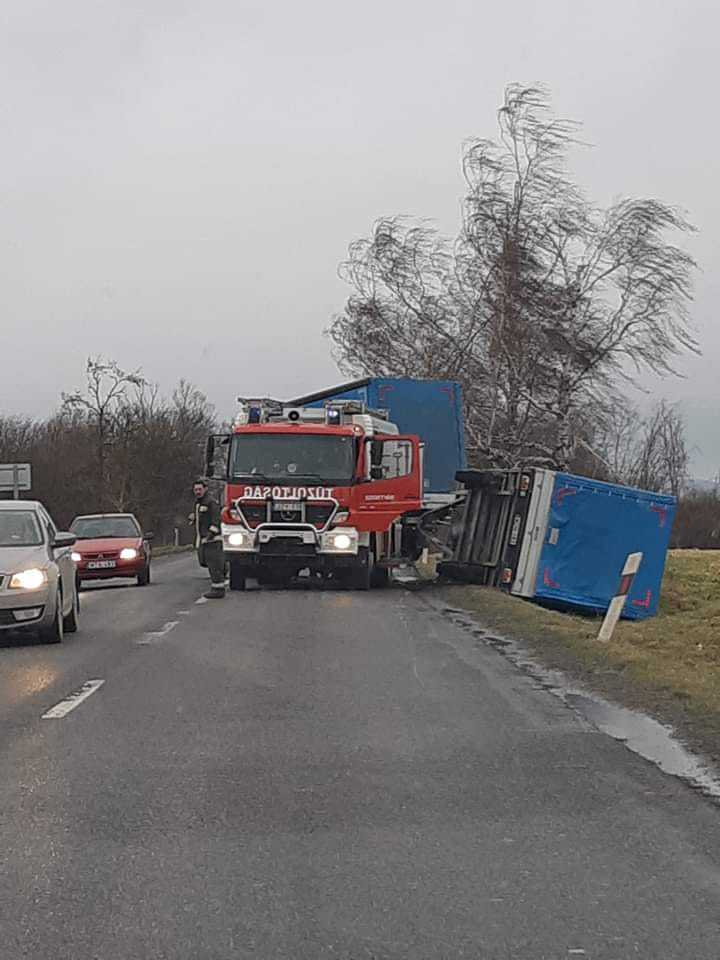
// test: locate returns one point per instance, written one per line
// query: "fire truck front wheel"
(362, 573)
(237, 575)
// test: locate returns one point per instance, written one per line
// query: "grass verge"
(668, 666)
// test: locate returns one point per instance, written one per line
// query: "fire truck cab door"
(393, 470)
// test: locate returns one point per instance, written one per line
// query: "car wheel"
(143, 578)
(55, 631)
(72, 620)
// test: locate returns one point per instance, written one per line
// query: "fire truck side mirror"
(217, 457)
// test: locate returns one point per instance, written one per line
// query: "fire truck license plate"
(101, 564)
(287, 505)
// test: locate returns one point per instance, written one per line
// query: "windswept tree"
(543, 305)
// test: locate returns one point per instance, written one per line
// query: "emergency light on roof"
(255, 410)
(335, 413)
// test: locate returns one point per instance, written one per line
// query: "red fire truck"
(334, 490)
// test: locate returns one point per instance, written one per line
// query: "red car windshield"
(102, 528)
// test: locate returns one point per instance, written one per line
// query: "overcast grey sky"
(180, 180)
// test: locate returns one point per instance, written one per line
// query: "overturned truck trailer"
(559, 539)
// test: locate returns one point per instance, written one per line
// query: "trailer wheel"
(237, 576)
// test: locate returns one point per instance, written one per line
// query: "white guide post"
(632, 565)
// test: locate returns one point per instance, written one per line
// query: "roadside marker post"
(632, 565)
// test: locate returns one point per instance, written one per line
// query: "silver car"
(38, 589)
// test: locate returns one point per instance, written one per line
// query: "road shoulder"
(667, 667)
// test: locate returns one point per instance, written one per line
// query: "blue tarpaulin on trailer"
(591, 529)
(430, 409)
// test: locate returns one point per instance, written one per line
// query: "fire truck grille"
(316, 514)
(254, 514)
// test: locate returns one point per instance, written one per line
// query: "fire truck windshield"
(281, 456)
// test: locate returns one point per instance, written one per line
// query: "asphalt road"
(307, 774)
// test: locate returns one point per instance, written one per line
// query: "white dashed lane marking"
(158, 634)
(201, 600)
(67, 705)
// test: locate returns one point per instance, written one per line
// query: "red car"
(110, 545)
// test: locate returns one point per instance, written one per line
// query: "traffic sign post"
(16, 477)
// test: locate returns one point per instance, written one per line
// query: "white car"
(38, 589)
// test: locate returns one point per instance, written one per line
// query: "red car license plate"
(101, 564)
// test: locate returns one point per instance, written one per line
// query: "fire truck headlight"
(236, 539)
(343, 540)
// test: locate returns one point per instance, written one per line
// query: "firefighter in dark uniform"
(208, 538)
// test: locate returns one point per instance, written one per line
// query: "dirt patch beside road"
(668, 666)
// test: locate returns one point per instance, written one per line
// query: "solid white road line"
(67, 705)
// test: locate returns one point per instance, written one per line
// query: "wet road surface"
(306, 774)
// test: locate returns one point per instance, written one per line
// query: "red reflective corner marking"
(564, 492)
(661, 511)
(383, 390)
(645, 602)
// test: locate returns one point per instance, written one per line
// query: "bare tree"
(648, 452)
(152, 448)
(407, 312)
(104, 403)
(542, 307)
